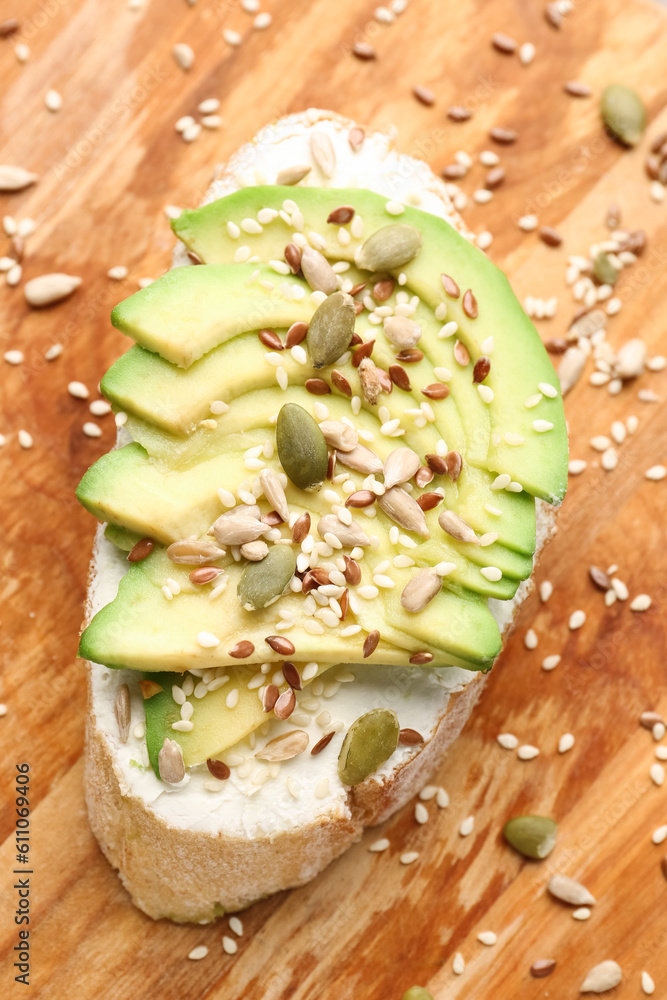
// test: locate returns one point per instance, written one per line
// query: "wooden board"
(109, 162)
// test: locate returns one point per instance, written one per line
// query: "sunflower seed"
(339, 435)
(317, 271)
(401, 331)
(455, 526)
(171, 766)
(623, 113)
(420, 590)
(321, 148)
(368, 743)
(401, 508)
(292, 175)
(274, 492)
(48, 289)
(389, 248)
(361, 459)
(190, 552)
(570, 891)
(348, 534)
(263, 582)
(240, 525)
(302, 448)
(284, 747)
(331, 329)
(122, 712)
(371, 385)
(15, 178)
(255, 551)
(400, 466)
(602, 977)
(571, 368)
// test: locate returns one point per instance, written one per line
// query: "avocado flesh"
(189, 310)
(519, 361)
(140, 630)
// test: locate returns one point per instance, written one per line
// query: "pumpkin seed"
(604, 270)
(263, 582)
(317, 271)
(170, 762)
(401, 508)
(420, 590)
(302, 448)
(602, 977)
(122, 711)
(368, 743)
(623, 113)
(284, 747)
(389, 248)
(15, 178)
(331, 329)
(401, 465)
(532, 836)
(417, 993)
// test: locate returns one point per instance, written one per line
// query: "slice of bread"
(204, 847)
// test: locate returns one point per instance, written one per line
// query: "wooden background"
(109, 161)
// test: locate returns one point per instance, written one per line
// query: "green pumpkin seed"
(302, 449)
(604, 270)
(369, 742)
(263, 582)
(389, 248)
(331, 329)
(532, 836)
(417, 993)
(623, 113)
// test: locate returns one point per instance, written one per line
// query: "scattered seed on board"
(196, 955)
(487, 937)
(602, 977)
(379, 845)
(527, 752)
(467, 826)
(229, 945)
(565, 743)
(576, 620)
(570, 891)
(408, 857)
(458, 965)
(183, 56)
(648, 986)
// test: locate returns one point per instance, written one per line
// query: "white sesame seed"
(656, 473)
(661, 752)
(491, 573)
(546, 590)
(657, 774)
(642, 602)
(201, 951)
(657, 363)
(542, 426)
(530, 639)
(22, 52)
(565, 743)
(550, 662)
(183, 55)
(659, 835)
(441, 798)
(528, 223)
(262, 21)
(467, 826)
(648, 986)
(209, 106)
(184, 122)
(484, 240)
(183, 726)
(379, 845)
(458, 965)
(486, 393)
(526, 53)
(487, 937)
(78, 390)
(3, 710)
(620, 589)
(513, 439)
(582, 913)
(236, 925)
(533, 401)
(207, 640)
(576, 466)
(229, 945)
(421, 813)
(527, 752)
(577, 619)
(92, 430)
(408, 857)
(53, 100)
(14, 357)
(507, 741)
(657, 191)
(609, 459)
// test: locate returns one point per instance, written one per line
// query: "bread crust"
(188, 875)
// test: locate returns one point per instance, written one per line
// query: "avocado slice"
(519, 361)
(189, 310)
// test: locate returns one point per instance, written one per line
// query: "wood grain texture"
(369, 927)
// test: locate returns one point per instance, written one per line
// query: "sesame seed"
(236, 926)
(229, 945)
(14, 357)
(78, 390)
(458, 965)
(528, 222)
(3, 710)
(565, 743)
(25, 439)
(546, 590)
(487, 937)
(262, 21)
(550, 662)
(659, 835)
(576, 620)
(656, 473)
(491, 573)
(91, 429)
(201, 951)
(582, 913)
(421, 813)
(530, 639)
(207, 640)
(501, 482)
(542, 426)
(408, 857)
(648, 986)
(53, 100)
(526, 53)
(441, 798)
(379, 845)
(527, 752)
(642, 602)
(467, 826)
(508, 741)
(657, 774)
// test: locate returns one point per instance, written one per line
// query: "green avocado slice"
(519, 361)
